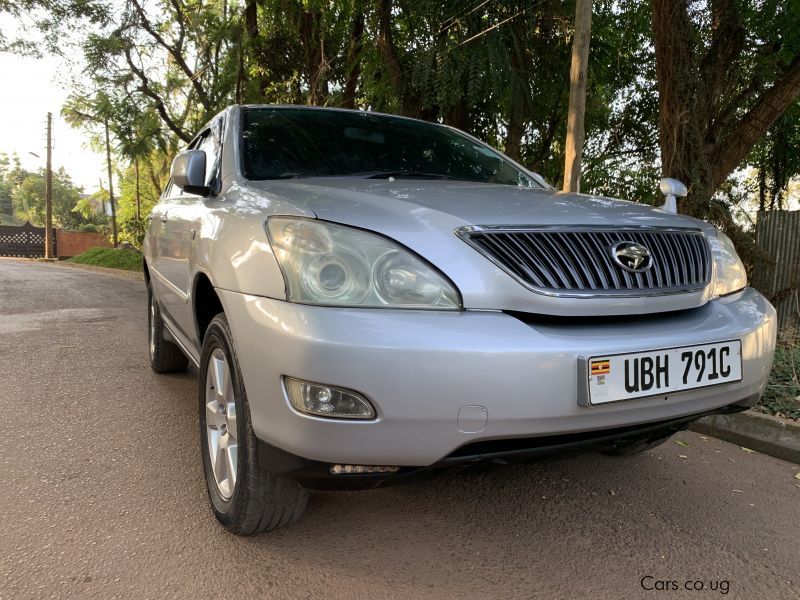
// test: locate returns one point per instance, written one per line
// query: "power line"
(495, 26)
(455, 19)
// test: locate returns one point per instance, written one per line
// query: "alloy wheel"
(221, 424)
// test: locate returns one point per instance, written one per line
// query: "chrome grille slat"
(600, 276)
(606, 258)
(587, 279)
(546, 252)
(662, 272)
(515, 247)
(577, 261)
(558, 256)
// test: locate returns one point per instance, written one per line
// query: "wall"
(72, 243)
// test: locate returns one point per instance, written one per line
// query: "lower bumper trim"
(317, 475)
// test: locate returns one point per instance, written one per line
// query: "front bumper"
(426, 371)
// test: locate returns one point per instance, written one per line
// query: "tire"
(165, 357)
(253, 500)
(637, 446)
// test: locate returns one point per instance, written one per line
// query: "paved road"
(102, 494)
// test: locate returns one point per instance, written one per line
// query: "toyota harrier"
(369, 297)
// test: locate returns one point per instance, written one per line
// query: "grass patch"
(112, 258)
(782, 396)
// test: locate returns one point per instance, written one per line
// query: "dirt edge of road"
(764, 433)
(118, 272)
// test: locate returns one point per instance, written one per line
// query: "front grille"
(578, 262)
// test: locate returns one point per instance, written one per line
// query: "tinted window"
(296, 142)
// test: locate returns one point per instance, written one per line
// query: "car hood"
(387, 205)
(423, 215)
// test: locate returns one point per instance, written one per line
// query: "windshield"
(285, 142)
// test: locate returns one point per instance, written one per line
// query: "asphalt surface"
(102, 493)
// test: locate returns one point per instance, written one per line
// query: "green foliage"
(22, 198)
(112, 258)
(777, 160)
(133, 222)
(7, 185)
(44, 21)
(29, 200)
(498, 70)
(782, 396)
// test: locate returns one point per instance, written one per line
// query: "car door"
(179, 219)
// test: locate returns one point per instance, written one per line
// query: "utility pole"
(48, 191)
(111, 189)
(577, 96)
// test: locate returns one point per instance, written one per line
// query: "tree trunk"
(516, 126)
(354, 60)
(577, 96)
(518, 92)
(313, 41)
(252, 36)
(681, 129)
(388, 50)
(154, 179)
(111, 188)
(138, 195)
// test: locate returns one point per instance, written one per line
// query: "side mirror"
(188, 172)
(672, 189)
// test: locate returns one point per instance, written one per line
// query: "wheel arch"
(206, 304)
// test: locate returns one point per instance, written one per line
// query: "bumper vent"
(580, 262)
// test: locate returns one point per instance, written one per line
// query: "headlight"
(731, 276)
(329, 264)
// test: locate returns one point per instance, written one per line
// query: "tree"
(89, 112)
(727, 70)
(10, 177)
(687, 88)
(777, 160)
(28, 199)
(48, 18)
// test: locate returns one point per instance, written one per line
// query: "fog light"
(327, 401)
(350, 469)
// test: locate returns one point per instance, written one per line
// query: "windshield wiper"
(408, 175)
(284, 176)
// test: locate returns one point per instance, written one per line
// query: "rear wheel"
(245, 499)
(165, 357)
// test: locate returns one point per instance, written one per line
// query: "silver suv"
(368, 298)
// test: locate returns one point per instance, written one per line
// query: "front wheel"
(245, 499)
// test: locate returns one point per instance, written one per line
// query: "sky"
(30, 89)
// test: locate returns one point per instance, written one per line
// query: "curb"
(96, 269)
(764, 433)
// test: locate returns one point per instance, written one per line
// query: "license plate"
(617, 377)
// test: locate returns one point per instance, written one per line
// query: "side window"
(210, 142)
(209, 145)
(169, 191)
